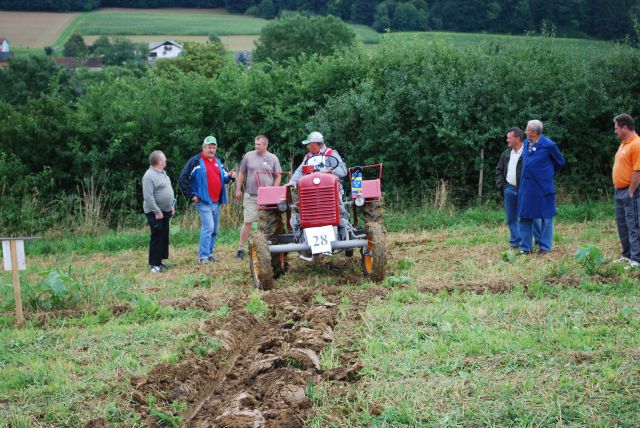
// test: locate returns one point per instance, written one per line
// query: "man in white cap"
(320, 155)
(202, 181)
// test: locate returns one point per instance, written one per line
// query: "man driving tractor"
(320, 156)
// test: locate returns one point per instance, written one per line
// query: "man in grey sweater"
(158, 206)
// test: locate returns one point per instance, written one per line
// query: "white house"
(5, 52)
(162, 50)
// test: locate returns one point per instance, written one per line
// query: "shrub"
(293, 35)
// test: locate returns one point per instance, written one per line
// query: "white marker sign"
(320, 238)
(6, 255)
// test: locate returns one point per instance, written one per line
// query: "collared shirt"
(627, 161)
(214, 181)
(512, 177)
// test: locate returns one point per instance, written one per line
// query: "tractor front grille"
(319, 206)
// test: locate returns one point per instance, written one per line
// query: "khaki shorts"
(250, 205)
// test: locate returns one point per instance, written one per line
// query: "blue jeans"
(628, 222)
(540, 229)
(209, 217)
(511, 212)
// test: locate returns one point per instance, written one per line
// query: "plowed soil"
(259, 376)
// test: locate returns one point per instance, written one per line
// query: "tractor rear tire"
(374, 259)
(271, 225)
(260, 261)
(372, 212)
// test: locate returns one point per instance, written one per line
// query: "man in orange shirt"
(626, 178)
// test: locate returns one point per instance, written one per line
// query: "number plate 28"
(320, 238)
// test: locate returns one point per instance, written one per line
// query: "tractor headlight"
(359, 201)
(283, 206)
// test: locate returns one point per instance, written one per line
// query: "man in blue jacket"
(541, 161)
(202, 181)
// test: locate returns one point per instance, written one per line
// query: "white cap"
(315, 137)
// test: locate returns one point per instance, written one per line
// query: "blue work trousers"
(209, 217)
(540, 229)
(511, 214)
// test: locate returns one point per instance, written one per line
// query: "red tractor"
(319, 223)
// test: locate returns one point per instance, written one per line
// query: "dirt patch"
(34, 29)
(42, 319)
(197, 301)
(260, 373)
(492, 287)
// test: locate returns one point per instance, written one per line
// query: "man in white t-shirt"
(508, 173)
(255, 167)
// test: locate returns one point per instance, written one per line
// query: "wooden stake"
(16, 284)
(481, 178)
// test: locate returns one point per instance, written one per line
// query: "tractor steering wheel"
(330, 161)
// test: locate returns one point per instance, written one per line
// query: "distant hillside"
(609, 20)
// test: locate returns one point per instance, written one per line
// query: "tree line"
(426, 110)
(610, 20)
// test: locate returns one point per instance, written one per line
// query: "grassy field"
(184, 22)
(465, 335)
(463, 40)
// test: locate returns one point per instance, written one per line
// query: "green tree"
(382, 19)
(294, 34)
(75, 46)
(124, 52)
(26, 77)
(101, 46)
(267, 9)
(204, 59)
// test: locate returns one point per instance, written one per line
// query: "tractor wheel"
(374, 259)
(373, 212)
(271, 225)
(260, 261)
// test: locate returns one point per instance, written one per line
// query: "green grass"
(137, 22)
(114, 241)
(548, 345)
(412, 219)
(555, 347)
(17, 51)
(566, 357)
(464, 40)
(69, 30)
(367, 34)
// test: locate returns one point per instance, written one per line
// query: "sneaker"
(212, 259)
(632, 265)
(523, 253)
(166, 266)
(157, 269)
(204, 261)
(622, 259)
(240, 254)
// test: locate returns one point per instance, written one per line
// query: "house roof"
(73, 62)
(2, 39)
(155, 45)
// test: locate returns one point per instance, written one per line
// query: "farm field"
(464, 40)
(458, 334)
(34, 29)
(25, 29)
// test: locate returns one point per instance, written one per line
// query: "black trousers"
(159, 242)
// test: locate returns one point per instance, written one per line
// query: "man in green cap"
(202, 181)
